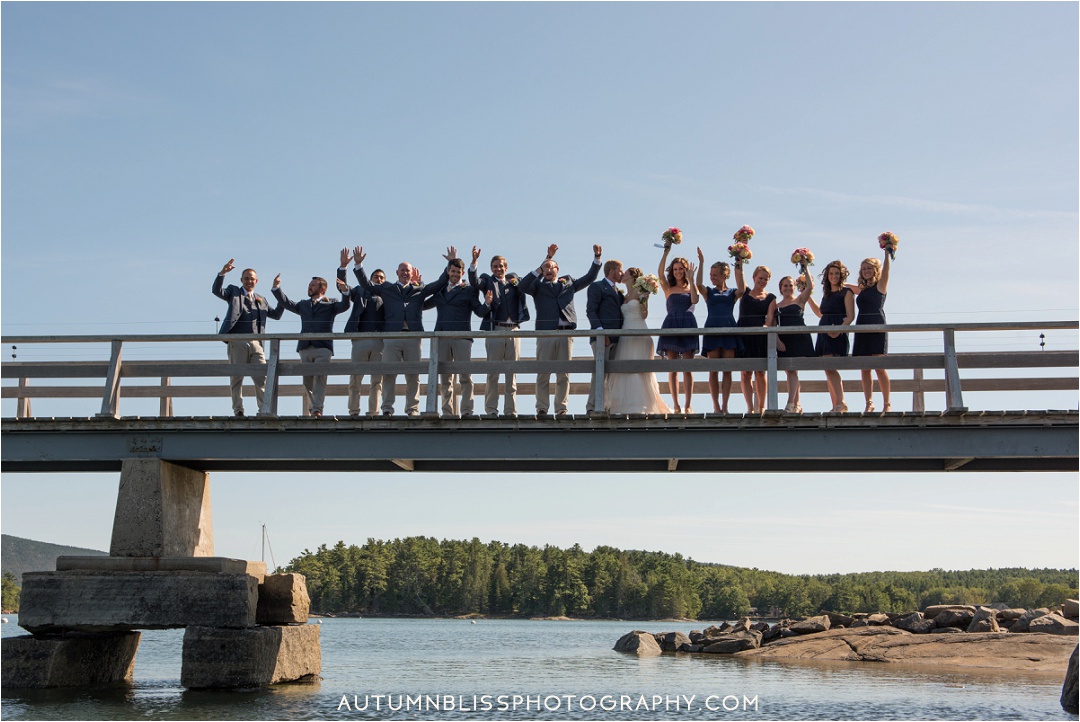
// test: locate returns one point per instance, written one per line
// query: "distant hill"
(18, 555)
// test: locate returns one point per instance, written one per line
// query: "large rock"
(878, 620)
(734, 642)
(1070, 609)
(838, 620)
(671, 641)
(162, 510)
(985, 620)
(1054, 623)
(122, 601)
(915, 623)
(283, 599)
(959, 618)
(1026, 652)
(1009, 615)
(935, 609)
(1070, 697)
(74, 660)
(811, 625)
(637, 642)
(249, 657)
(1024, 622)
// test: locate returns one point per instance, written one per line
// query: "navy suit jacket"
(401, 305)
(507, 299)
(455, 308)
(234, 296)
(367, 310)
(314, 317)
(555, 301)
(604, 307)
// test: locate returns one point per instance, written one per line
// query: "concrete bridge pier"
(243, 627)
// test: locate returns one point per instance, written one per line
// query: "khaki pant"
(502, 349)
(315, 386)
(246, 352)
(406, 350)
(456, 349)
(553, 349)
(370, 351)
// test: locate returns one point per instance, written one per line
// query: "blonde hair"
(761, 268)
(876, 265)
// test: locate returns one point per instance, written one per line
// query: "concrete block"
(118, 601)
(214, 565)
(283, 599)
(74, 660)
(162, 510)
(249, 657)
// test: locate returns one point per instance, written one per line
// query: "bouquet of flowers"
(740, 251)
(802, 257)
(646, 286)
(744, 234)
(671, 236)
(889, 242)
(800, 283)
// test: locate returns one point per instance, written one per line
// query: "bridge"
(919, 438)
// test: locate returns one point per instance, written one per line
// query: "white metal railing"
(114, 371)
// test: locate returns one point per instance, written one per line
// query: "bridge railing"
(111, 377)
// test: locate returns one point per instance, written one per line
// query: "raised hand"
(358, 256)
(344, 257)
(475, 254)
(227, 267)
(598, 250)
(414, 276)
(342, 286)
(700, 256)
(690, 270)
(551, 250)
(451, 253)
(277, 280)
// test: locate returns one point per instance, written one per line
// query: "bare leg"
(868, 389)
(836, 388)
(761, 391)
(714, 382)
(747, 380)
(792, 391)
(688, 382)
(673, 381)
(886, 388)
(725, 387)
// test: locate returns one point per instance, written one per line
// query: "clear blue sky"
(144, 144)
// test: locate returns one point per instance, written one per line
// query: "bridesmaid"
(837, 309)
(870, 298)
(720, 301)
(789, 310)
(756, 308)
(681, 297)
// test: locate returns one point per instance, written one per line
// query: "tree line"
(422, 575)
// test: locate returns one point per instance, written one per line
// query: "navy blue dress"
(721, 306)
(678, 316)
(833, 313)
(871, 304)
(795, 344)
(752, 314)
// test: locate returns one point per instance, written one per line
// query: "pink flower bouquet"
(802, 257)
(646, 286)
(671, 236)
(889, 242)
(740, 251)
(744, 234)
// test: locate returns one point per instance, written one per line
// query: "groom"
(604, 309)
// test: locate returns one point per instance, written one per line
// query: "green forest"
(422, 575)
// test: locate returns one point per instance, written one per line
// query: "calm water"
(541, 662)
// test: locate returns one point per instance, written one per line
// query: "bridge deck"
(773, 442)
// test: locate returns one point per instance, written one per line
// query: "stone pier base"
(250, 657)
(73, 660)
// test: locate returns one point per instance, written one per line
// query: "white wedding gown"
(633, 393)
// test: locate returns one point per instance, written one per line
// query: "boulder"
(1008, 615)
(838, 620)
(935, 609)
(249, 657)
(760, 627)
(878, 620)
(696, 636)
(1070, 698)
(985, 620)
(1024, 622)
(1070, 609)
(690, 648)
(1054, 623)
(715, 631)
(811, 625)
(734, 642)
(946, 630)
(859, 623)
(671, 641)
(640, 643)
(283, 599)
(77, 659)
(915, 623)
(959, 618)
(771, 632)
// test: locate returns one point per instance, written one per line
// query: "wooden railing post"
(770, 376)
(918, 397)
(165, 405)
(22, 405)
(954, 400)
(110, 400)
(270, 393)
(432, 406)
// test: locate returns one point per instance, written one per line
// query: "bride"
(635, 393)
